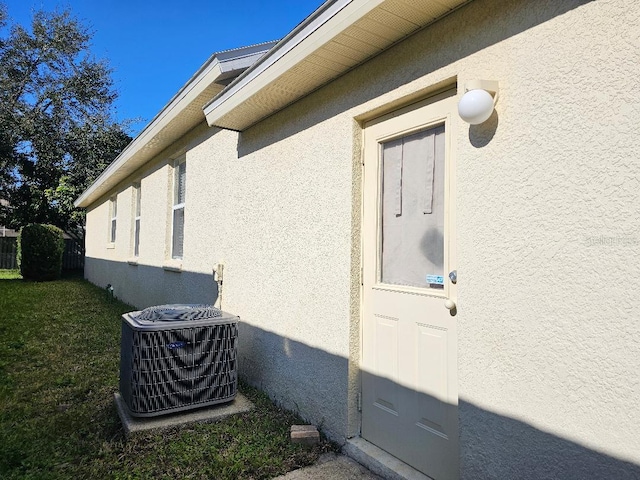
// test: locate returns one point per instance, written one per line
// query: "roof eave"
(281, 76)
(216, 71)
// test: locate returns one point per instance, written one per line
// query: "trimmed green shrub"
(40, 249)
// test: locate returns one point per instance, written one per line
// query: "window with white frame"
(179, 191)
(136, 219)
(113, 209)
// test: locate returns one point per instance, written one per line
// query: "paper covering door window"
(413, 209)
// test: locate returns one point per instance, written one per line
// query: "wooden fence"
(8, 253)
(72, 258)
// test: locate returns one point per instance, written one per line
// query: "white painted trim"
(327, 22)
(173, 265)
(316, 20)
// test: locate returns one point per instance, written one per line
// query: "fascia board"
(331, 20)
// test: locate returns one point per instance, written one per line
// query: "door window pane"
(413, 210)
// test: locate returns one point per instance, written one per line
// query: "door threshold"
(380, 462)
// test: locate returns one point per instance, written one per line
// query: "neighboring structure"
(4, 231)
(7, 232)
(334, 187)
(8, 245)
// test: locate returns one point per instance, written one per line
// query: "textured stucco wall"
(284, 218)
(547, 222)
(147, 282)
(280, 222)
(548, 197)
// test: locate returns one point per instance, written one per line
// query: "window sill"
(111, 245)
(173, 265)
(133, 261)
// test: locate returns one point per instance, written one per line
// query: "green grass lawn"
(59, 357)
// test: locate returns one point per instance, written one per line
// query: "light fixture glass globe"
(475, 106)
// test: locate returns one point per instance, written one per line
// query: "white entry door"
(409, 357)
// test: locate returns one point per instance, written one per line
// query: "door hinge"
(359, 401)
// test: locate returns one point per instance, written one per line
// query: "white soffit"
(338, 36)
(181, 114)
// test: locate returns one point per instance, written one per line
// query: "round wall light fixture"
(478, 102)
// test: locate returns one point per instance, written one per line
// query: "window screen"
(114, 214)
(136, 225)
(179, 197)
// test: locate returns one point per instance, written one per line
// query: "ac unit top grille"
(180, 312)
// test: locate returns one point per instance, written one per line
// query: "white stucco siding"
(547, 235)
(548, 338)
(545, 310)
(548, 229)
(97, 230)
(277, 212)
(143, 281)
(99, 227)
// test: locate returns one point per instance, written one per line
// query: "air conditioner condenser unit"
(177, 357)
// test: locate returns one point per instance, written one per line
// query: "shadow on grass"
(14, 275)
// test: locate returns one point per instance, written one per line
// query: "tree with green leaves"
(57, 131)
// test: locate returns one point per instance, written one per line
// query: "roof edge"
(218, 67)
(284, 74)
(303, 30)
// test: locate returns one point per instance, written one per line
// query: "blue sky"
(155, 46)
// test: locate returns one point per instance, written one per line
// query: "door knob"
(449, 304)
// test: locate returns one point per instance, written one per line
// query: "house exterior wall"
(547, 225)
(150, 279)
(280, 223)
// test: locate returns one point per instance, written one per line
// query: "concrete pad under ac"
(132, 425)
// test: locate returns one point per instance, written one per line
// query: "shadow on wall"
(315, 384)
(481, 135)
(303, 379)
(493, 446)
(300, 378)
(427, 51)
(143, 285)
